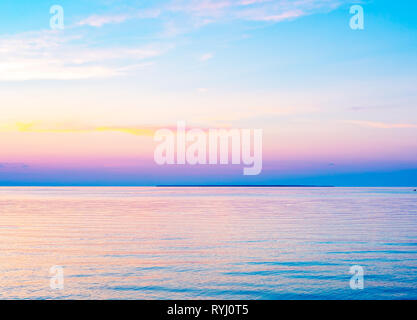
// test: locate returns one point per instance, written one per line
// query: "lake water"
(208, 243)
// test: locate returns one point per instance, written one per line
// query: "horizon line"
(202, 186)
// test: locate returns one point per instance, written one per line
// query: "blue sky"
(337, 106)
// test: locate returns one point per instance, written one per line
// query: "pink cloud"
(382, 125)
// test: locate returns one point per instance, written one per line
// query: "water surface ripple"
(208, 243)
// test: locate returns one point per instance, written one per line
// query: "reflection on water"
(220, 243)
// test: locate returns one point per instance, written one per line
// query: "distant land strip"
(246, 185)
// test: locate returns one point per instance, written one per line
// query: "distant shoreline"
(243, 186)
(199, 186)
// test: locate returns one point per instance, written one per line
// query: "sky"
(80, 105)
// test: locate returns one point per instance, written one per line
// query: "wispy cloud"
(12, 165)
(38, 127)
(77, 128)
(201, 7)
(383, 125)
(53, 55)
(101, 20)
(262, 16)
(249, 2)
(206, 56)
(281, 10)
(183, 13)
(49, 55)
(97, 20)
(257, 10)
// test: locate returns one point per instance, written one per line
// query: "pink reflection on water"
(172, 243)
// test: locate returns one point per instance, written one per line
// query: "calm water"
(220, 243)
